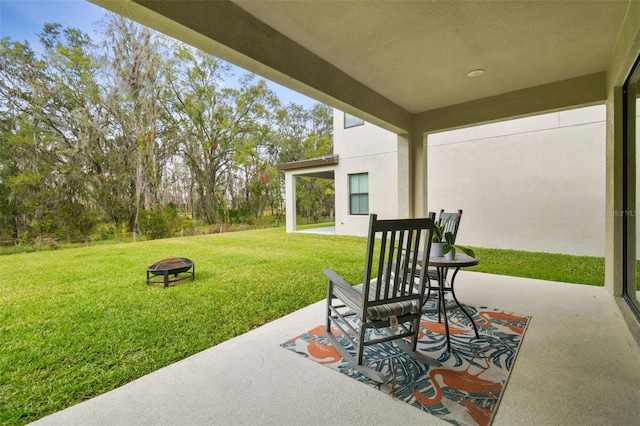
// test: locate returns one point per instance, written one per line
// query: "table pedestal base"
(442, 306)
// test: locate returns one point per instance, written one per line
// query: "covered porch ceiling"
(396, 62)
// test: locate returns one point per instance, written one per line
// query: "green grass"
(544, 266)
(315, 225)
(77, 323)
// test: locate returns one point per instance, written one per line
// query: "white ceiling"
(418, 53)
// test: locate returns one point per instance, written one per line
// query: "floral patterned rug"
(465, 390)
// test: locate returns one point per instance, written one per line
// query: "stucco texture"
(535, 184)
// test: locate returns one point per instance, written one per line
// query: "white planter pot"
(436, 250)
(451, 254)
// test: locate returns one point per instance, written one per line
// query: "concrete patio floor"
(326, 230)
(578, 365)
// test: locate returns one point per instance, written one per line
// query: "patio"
(578, 364)
(415, 71)
(327, 230)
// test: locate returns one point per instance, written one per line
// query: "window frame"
(358, 195)
(352, 120)
(630, 95)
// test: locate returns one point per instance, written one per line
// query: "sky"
(22, 20)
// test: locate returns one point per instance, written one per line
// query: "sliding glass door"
(631, 284)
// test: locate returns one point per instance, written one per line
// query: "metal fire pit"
(173, 266)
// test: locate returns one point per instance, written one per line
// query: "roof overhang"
(321, 167)
(392, 63)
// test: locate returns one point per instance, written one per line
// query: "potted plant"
(449, 248)
(437, 239)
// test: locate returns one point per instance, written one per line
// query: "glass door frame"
(629, 182)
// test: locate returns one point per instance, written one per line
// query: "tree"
(305, 134)
(216, 125)
(19, 69)
(73, 116)
(141, 129)
(134, 100)
(48, 123)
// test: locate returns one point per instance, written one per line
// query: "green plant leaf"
(448, 245)
(436, 237)
(449, 238)
(466, 250)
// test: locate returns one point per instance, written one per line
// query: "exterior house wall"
(535, 184)
(371, 149)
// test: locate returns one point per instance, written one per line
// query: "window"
(359, 193)
(351, 121)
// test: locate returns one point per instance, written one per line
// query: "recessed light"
(476, 73)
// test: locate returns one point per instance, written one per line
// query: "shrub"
(159, 223)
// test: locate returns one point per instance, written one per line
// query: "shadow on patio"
(578, 364)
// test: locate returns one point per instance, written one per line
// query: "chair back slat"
(451, 222)
(393, 263)
(381, 266)
(412, 261)
(389, 263)
(405, 279)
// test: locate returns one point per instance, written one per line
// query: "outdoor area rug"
(466, 390)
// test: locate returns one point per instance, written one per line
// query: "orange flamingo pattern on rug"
(465, 390)
(465, 381)
(514, 322)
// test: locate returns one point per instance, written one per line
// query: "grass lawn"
(79, 322)
(544, 266)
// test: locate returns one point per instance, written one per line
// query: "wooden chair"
(451, 223)
(390, 297)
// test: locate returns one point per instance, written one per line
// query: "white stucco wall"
(371, 149)
(535, 184)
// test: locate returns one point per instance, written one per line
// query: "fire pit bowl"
(173, 266)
